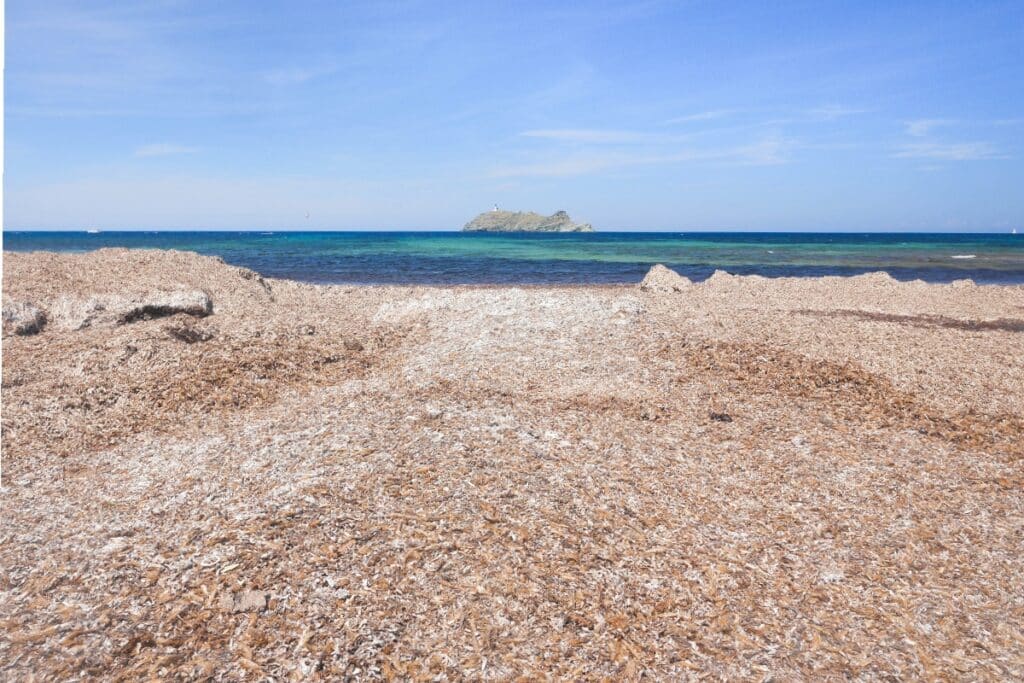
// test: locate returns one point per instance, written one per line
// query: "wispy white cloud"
(828, 112)
(163, 149)
(589, 135)
(702, 116)
(926, 146)
(288, 76)
(769, 151)
(949, 151)
(563, 167)
(295, 75)
(125, 199)
(923, 127)
(831, 112)
(96, 24)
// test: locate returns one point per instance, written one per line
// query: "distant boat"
(92, 231)
(1014, 231)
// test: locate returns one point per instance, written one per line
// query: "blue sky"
(632, 115)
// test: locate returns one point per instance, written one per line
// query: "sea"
(444, 258)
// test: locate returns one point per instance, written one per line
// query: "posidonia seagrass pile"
(743, 478)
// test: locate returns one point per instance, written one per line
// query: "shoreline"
(208, 472)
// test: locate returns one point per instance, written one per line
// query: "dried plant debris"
(245, 601)
(1002, 324)
(21, 317)
(78, 312)
(163, 304)
(190, 334)
(664, 280)
(510, 483)
(850, 392)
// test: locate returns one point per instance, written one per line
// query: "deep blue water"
(602, 257)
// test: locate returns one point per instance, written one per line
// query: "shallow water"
(589, 258)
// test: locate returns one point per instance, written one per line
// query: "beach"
(211, 473)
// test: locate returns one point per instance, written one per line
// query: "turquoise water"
(603, 257)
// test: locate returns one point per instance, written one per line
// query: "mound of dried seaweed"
(745, 482)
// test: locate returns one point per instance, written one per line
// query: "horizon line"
(876, 231)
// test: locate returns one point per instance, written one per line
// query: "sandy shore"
(747, 478)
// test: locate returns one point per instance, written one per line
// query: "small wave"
(963, 256)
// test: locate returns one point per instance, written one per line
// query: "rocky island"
(497, 220)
